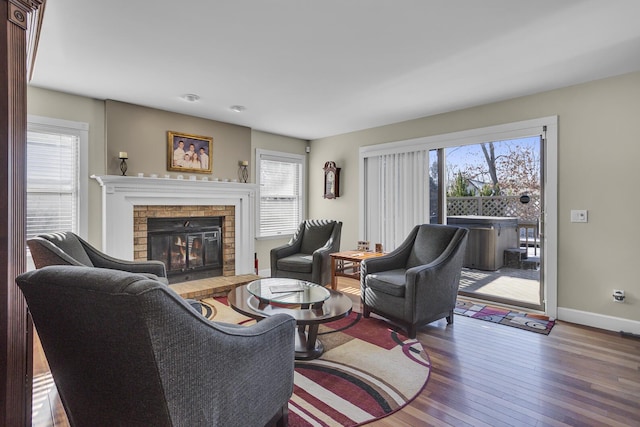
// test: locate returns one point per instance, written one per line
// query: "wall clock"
(331, 180)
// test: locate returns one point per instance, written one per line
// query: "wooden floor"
(485, 374)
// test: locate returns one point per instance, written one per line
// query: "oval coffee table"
(308, 303)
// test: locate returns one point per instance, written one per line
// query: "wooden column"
(15, 338)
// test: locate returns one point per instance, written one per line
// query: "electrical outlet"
(618, 295)
(578, 215)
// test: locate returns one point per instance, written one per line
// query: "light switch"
(578, 215)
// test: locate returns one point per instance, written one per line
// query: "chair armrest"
(153, 267)
(432, 286)
(267, 325)
(293, 247)
(284, 250)
(281, 252)
(319, 257)
(102, 260)
(391, 261)
(321, 264)
(437, 283)
(324, 250)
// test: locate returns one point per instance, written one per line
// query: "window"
(56, 176)
(281, 180)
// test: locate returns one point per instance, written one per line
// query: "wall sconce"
(243, 171)
(122, 155)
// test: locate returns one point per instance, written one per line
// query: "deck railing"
(495, 206)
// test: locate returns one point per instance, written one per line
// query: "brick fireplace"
(128, 203)
(142, 214)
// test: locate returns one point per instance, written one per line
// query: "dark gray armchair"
(418, 282)
(126, 350)
(306, 256)
(66, 248)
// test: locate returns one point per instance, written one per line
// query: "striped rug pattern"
(367, 371)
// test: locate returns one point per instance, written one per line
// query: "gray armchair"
(306, 256)
(66, 248)
(126, 350)
(418, 282)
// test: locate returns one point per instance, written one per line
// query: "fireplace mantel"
(121, 193)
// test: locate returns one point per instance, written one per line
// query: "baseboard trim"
(601, 321)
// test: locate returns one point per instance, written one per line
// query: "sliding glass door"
(494, 189)
(490, 180)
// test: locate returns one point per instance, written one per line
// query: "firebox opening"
(190, 247)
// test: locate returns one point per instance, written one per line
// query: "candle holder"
(243, 171)
(123, 166)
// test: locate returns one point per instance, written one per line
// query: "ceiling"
(312, 69)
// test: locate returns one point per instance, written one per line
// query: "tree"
(516, 171)
(519, 171)
(459, 187)
(489, 151)
(487, 190)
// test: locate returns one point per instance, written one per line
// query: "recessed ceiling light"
(190, 97)
(238, 108)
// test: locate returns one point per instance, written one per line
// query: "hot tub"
(489, 236)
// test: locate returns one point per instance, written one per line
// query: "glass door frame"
(549, 158)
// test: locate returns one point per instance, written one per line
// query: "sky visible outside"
(459, 157)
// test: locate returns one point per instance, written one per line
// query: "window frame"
(285, 157)
(81, 131)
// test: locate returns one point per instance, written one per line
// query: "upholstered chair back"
(66, 248)
(316, 234)
(430, 242)
(127, 350)
(66, 242)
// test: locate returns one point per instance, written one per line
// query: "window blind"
(280, 195)
(52, 182)
(397, 196)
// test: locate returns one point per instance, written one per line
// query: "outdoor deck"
(521, 285)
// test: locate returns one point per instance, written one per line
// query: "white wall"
(598, 151)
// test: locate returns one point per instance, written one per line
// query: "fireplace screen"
(186, 245)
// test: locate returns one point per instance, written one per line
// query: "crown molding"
(30, 5)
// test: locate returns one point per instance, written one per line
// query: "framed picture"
(189, 153)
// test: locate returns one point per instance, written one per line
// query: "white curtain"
(396, 196)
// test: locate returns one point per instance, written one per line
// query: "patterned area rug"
(367, 371)
(529, 321)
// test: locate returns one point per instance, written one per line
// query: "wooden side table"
(347, 264)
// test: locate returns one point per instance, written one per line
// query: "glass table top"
(288, 291)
